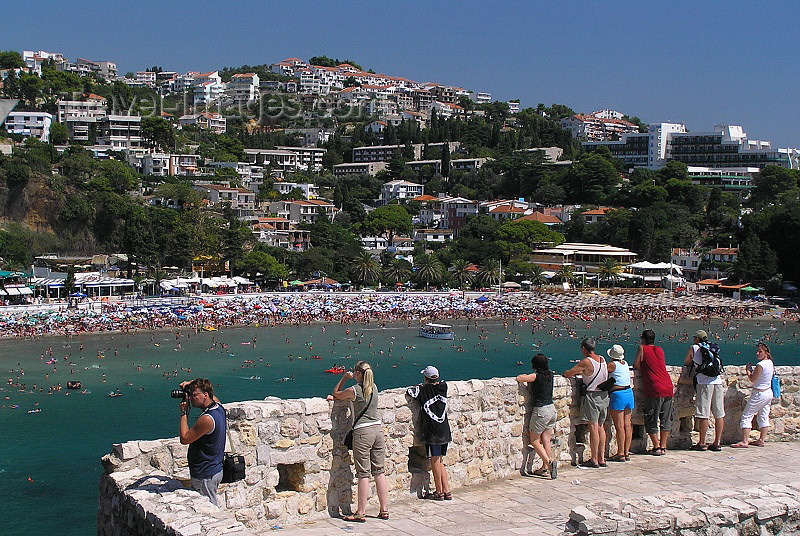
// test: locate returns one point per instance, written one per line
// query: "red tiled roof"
(544, 218)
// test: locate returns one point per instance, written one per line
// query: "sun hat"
(430, 372)
(701, 334)
(616, 352)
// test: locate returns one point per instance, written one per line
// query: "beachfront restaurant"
(582, 257)
(87, 284)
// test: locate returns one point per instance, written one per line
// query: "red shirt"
(656, 382)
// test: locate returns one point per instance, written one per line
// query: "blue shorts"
(621, 400)
(435, 450)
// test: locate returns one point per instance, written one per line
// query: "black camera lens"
(177, 393)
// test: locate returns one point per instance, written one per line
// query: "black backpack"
(712, 364)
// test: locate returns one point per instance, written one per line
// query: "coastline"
(272, 309)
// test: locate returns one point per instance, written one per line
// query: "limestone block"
(767, 508)
(268, 430)
(127, 451)
(313, 440)
(689, 520)
(312, 406)
(403, 415)
(290, 427)
(324, 425)
(246, 433)
(284, 443)
(263, 454)
(292, 407)
(459, 389)
(304, 505)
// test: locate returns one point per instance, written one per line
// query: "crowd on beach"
(296, 309)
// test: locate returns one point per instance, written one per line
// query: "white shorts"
(709, 397)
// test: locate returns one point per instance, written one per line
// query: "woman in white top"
(760, 398)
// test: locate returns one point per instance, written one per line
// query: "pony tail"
(368, 384)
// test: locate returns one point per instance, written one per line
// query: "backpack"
(711, 365)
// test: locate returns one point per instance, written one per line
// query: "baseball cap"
(430, 372)
(701, 334)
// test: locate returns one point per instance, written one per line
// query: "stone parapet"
(298, 469)
(772, 509)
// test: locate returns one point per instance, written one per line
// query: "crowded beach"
(272, 309)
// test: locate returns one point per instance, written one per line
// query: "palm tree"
(429, 269)
(398, 271)
(489, 274)
(365, 268)
(536, 276)
(566, 274)
(609, 270)
(460, 273)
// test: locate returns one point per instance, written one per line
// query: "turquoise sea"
(50, 459)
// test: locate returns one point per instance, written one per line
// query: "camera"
(185, 393)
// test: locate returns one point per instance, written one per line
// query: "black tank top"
(542, 390)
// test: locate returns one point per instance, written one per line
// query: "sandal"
(354, 518)
(655, 452)
(542, 471)
(383, 515)
(740, 445)
(436, 496)
(618, 458)
(448, 496)
(698, 447)
(758, 443)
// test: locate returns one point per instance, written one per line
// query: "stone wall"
(773, 509)
(298, 469)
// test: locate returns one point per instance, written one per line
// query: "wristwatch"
(184, 412)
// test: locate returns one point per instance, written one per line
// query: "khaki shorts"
(594, 407)
(542, 418)
(369, 451)
(709, 397)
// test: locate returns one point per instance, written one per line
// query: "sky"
(698, 63)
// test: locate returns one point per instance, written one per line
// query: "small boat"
(336, 369)
(209, 328)
(114, 394)
(441, 332)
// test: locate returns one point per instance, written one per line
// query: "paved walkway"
(533, 505)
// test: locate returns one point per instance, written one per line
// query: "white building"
(359, 168)
(120, 132)
(307, 211)
(280, 160)
(310, 191)
(30, 124)
(207, 93)
(243, 88)
(399, 190)
(308, 158)
(90, 105)
(214, 122)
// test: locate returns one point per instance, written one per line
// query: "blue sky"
(701, 63)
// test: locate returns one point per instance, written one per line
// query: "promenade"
(533, 505)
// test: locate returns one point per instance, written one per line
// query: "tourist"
(621, 403)
(368, 440)
(543, 414)
(435, 428)
(657, 391)
(709, 397)
(594, 405)
(206, 439)
(760, 398)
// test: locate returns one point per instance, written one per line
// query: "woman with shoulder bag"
(368, 440)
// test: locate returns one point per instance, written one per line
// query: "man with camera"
(206, 439)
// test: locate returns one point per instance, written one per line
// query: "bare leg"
(664, 436)
(594, 440)
(763, 431)
(618, 417)
(436, 469)
(363, 495)
(383, 492)
(654, 439)
(702, 427)
(628, 431)
(719, 424)
(546, 437)
(601, 443)
(540, 449)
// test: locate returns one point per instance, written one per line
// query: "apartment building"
(602, 125)
(455, 211)
(438, 236)
(399, 190)
(456, 164)
(307, 211)
(358, 168)
(276, 159)
(308, 158)
(120, 132)
(242, 200)
(582, 257)
(310, 191)
(89, 105)
(243, 88)
(726, 147)
(207, 93)
(214, 122)
(30, 124)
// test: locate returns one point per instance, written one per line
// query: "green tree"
(771, 182)
(756, 261)
(489, 273)
(460, 272)
(428, 269)
(158, 132)
(446, 160)
(565, 274)
(609, 270)
(259, 265)
(58, 134)
(365, 268)
(388, 221)
(398, 271)
(11, 59)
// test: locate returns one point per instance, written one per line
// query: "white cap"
(616, 352)
(430, 372)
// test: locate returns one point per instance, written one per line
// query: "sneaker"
(714, 447)
(553, 469)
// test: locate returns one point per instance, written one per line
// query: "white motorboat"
(442, 332)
